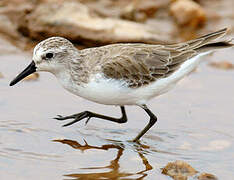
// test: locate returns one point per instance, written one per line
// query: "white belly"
(115, 92)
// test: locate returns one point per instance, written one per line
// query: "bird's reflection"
(114, 166)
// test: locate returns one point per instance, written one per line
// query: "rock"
(206, 176)
(179, 170)
(83, 24)
(134, 10)
(32, 77)
(222, 65)
(26, 20)
(188, 12)
(140, 10)
(74, 21)
(12, 14)
(1, 75)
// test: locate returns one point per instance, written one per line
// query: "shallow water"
(195, 124)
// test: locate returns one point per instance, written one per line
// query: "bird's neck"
(66, 80)
(74, 76)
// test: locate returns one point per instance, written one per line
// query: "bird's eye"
(49, 55)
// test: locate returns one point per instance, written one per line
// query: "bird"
(120, 74)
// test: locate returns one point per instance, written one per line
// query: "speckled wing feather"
(140, 64)
(144, 66)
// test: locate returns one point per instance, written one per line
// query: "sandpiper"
(119, 74)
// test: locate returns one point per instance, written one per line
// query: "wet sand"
(195, 124)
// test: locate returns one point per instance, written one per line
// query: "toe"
(59, 117)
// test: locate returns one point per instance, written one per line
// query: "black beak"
(28, 70)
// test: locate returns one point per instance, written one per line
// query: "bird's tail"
(216, 45)
(204, 43)
(207, 42)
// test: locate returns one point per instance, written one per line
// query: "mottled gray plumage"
(141, 64)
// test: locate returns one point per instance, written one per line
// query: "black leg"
(153, 120)
(87, 114)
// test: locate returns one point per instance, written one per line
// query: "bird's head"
(51, 55)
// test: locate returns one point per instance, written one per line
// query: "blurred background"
(193, 138)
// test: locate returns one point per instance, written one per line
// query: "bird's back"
(141, 64)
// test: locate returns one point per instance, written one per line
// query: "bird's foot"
(77, 117)
(61, 118)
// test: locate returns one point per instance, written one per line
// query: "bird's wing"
(141, 64)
